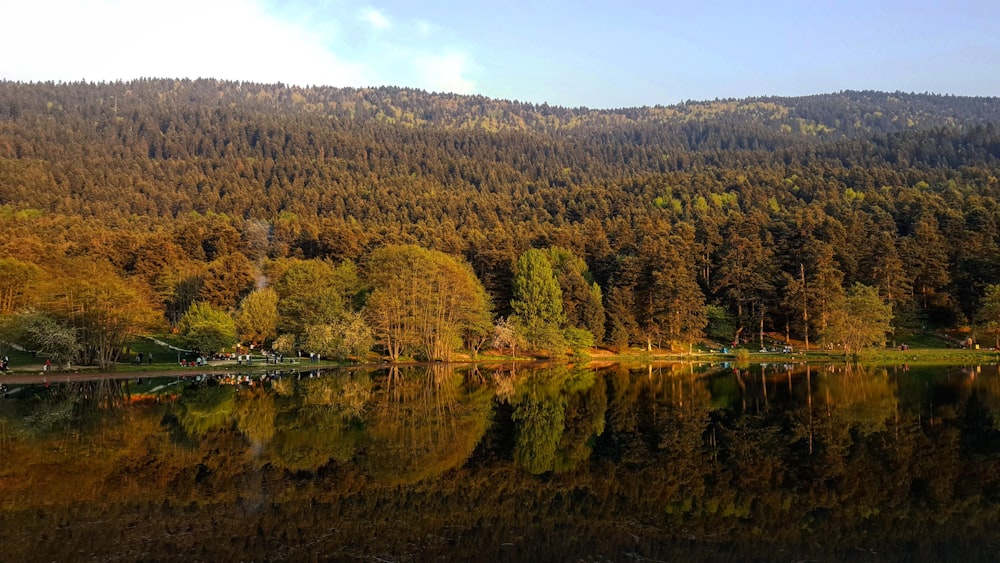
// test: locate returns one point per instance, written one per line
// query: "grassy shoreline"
(921, 356)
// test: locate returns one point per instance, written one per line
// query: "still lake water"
(677, 462)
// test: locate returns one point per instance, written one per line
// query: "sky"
(598, 54)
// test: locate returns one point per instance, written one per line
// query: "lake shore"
(31, 374)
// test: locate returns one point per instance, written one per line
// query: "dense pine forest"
(336, 219)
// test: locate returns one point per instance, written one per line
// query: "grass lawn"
(20, 359)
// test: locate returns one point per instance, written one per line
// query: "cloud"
(375, 18)
(304, 43)
(104, 40)
(424, 28)
(444, 72)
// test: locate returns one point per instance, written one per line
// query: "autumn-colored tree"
(257, 316)
(228, 279)
(16, 281)
(105, 310)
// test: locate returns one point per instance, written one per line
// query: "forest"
(410, 224)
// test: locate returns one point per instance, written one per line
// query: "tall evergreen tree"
(537, 301)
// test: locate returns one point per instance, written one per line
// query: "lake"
(672, 462)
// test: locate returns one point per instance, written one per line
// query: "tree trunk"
(805, 305)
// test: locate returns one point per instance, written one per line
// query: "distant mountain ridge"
(846, 113)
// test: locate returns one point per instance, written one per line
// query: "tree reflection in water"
(673, 461)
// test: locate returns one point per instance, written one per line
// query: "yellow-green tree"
(257, 316)
(206, 328)
(310, 293)
(861, 318)
(423, 300)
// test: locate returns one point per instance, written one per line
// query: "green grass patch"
(19, 359)
(922, 340)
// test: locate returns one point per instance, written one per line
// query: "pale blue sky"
(589, 53)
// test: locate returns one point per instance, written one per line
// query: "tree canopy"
(859, 319)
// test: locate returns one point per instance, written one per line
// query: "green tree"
(677, 305)
(579, 340)
(989, 313)
(594, 316)
(745, 270)
(341, 339)
(206, 328)
(537, 301)
(310, 294)
(925, 253)
(861, 318)
(621, 317)
(47, 336)
(582, 301)
(721, 323)
(570, 272)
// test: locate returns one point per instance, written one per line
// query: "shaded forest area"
(735, 216)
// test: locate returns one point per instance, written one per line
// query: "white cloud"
(424, 28)
(375, 18)
(107, 40)
(117, 39)
(444, 72)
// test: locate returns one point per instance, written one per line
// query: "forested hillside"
(659, 224)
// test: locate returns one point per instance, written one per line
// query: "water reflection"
(673, 461)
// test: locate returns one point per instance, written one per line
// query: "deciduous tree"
(257, 316)
(859, 319)
(206, 328)
(422, 300)
(105, 310)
